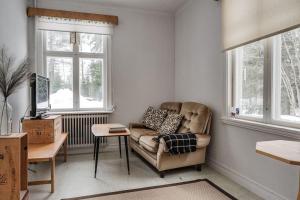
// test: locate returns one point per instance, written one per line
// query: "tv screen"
(40, 102)
(42, 93)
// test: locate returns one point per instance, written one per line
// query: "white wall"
(142, 57)
(13, 36)
(199, 76)
(143, 74)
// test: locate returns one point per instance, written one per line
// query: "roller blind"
(246, 21)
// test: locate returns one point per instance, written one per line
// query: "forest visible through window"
(290, 75)
(250, 70)
(284, 77)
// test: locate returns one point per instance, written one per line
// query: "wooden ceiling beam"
(72, 15)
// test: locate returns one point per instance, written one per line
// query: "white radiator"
(79, 127)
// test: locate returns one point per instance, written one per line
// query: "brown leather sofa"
(197, 119)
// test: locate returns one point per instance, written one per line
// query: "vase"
(5, 118)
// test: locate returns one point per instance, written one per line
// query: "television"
(40, 95)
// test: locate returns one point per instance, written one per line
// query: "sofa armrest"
(136, 125)
(162, 147)
(202, 140)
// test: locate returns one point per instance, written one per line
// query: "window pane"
(288, 92)
(91, 90)
(60, 71)
(58, 41)
(249, 79)
(91, 43)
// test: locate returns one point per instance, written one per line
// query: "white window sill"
(80, 112)
(293, 133)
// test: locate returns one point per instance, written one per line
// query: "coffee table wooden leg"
(97, 153)
(65, 149)
(127, 159)
(52, 174)
(120, 148)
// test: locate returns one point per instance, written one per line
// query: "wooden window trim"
(31, 12)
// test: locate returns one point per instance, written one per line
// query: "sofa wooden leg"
(132, 151)
(161, 174)
(199, 167)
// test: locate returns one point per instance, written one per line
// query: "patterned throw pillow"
(170, 125)
(153, 118)
(147, 115)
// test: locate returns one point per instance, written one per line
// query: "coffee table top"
(285, 151)
(102, 130)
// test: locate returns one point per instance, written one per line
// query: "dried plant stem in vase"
(11, 78)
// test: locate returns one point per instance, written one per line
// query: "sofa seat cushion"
(136, 133)
(148, 143)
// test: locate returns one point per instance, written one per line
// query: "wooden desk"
(285, 151)
(47, 153)
(102, 130)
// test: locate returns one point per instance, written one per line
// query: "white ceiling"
(169, 6)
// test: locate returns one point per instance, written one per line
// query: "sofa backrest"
(197, 118)
(171, 107)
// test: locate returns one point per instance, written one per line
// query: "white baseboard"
(251, 185)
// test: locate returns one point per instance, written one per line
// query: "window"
(287, 76)
(249, 72)
(264, 80)
(76, 64)
(60, 73)
(91, 90)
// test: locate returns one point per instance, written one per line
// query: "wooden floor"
(75, 177)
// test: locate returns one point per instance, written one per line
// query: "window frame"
(43, 53)
(271, 56)
(276, 96)
(232, 70)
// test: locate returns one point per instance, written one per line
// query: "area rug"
(201, 189)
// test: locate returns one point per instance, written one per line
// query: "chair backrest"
(171, 107)
(197, 118)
